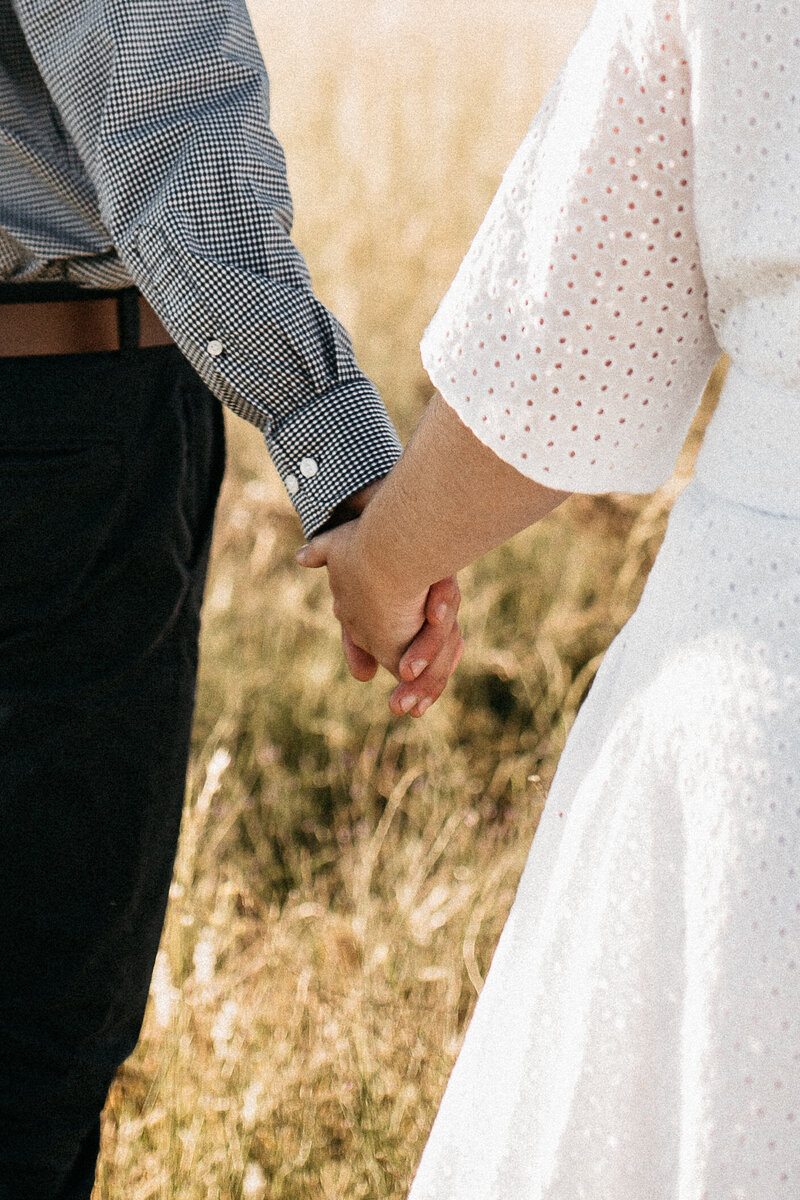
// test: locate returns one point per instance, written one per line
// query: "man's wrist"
(353, 506)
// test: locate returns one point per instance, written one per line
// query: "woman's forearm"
(449, 500)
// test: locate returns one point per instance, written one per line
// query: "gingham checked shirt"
(135, 145)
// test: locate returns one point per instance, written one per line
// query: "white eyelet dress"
(638, 1035)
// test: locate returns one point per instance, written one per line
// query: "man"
(136, 160)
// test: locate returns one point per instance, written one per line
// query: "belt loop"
(128, 319)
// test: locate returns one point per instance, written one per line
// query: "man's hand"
(416, 637)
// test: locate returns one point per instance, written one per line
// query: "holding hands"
(388, 621)
(392, 571)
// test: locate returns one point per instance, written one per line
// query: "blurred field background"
(343, 876)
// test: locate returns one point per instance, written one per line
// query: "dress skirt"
(638, 1035)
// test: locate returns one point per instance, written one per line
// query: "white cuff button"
(292, 484)
(308, 468)
(215, 347)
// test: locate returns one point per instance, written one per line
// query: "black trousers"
(110, 466)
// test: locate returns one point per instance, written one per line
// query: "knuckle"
(436, 640)
(434, 686)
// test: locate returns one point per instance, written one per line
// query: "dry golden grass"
(343, 876)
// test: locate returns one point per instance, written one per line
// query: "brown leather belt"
(46, 327)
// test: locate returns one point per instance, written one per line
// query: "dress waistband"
(751, 451)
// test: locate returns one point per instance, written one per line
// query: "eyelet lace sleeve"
(575, 339)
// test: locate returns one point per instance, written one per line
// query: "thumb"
(314, 553)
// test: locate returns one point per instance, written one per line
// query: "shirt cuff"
(331, 448)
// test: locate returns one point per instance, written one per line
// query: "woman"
(638, 1033)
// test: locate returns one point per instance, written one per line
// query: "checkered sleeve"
(167, 102)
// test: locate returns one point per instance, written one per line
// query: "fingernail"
(424, 705)
(418, 666)
(407, 703)
(302, 554)
(441, 612)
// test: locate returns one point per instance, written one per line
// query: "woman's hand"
(413, 633)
